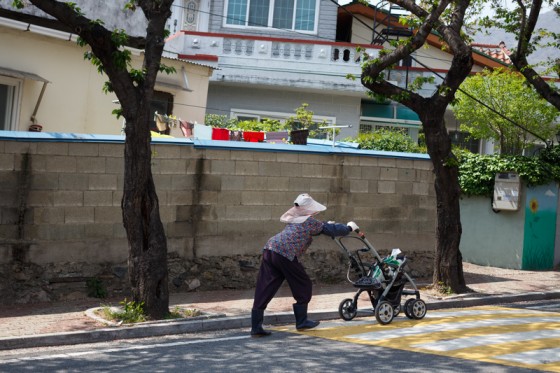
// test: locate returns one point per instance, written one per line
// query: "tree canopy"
(521, 20)
(513, 111)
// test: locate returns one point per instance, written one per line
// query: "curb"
(221, 322)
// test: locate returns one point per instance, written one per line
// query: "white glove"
(353, 226)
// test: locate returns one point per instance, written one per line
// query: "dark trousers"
(276, 268)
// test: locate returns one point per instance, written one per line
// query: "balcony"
(258, 60)
(267, 61)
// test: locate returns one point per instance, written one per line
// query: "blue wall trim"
(313, 146)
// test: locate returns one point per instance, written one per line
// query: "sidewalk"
(47, 324)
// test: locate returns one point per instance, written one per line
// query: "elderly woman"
(280, 261)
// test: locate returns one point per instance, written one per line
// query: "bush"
(220, 121)
(477, 172)
(388, 140)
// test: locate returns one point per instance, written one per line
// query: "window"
(465, 141)
(297, 15)
(162, 103)
(248, 117)
(367, 128)
(242, 114)
(9, 89)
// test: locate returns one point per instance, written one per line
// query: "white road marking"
(368, 320)
(487, 339)
(458, 313)
(379, 335)
(120, 349)
(544, 356)
(546, 306)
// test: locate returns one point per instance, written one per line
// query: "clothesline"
(203, 132)
(165, 122)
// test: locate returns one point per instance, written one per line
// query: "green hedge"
(477, 172)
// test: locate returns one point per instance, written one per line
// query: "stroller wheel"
(347, 310)
(408, 309)
(396, 310)
(418, 309)
(384, 313)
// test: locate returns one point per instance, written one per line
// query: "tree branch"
(98, 38)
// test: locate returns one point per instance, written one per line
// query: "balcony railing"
(249, 57)
(292, 50)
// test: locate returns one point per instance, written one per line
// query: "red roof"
(498, 52)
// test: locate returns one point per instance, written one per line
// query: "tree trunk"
(147, 258)
(448, 263)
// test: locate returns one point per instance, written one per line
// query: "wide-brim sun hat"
(304, 207)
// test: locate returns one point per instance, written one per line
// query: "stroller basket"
(368, 283)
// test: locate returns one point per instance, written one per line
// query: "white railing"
(292, 51)
(275, 49)
(253, 56)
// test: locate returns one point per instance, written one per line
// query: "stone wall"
(61, 222)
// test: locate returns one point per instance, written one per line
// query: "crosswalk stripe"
(487, 339)
(543, 356)
(447, 326)
(506, 336)
(482, 311)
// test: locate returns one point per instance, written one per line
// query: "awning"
(25, 75)
(21, 75)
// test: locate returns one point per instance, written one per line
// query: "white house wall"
(73, 100)
(361, 33)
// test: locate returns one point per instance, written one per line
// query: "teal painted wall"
(540, 227)
(489, 238)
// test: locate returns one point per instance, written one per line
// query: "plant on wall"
(393, 140)
(220, 121)
(477, 172)
(303, 120)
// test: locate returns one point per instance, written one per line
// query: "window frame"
(461, 139)
(277, 115)
(271, 18)
(15, 106)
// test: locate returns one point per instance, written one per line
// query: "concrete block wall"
(60, 208)
(213, 201)
(72, 202)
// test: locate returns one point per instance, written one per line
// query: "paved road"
(523, 335)
(481, 339)
(235, 351)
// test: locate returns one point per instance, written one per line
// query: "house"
(46, 84)
(267, 63)
(270, 64)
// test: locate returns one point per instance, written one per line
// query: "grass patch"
(183, 313)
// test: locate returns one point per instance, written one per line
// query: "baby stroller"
(383, 280)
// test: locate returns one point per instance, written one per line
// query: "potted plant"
(252, 130)
(299, 124)
(275, 130)
(221, 126)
